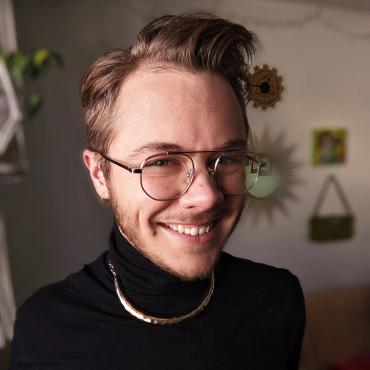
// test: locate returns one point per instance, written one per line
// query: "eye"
(161, 163)
(229, 159)
(164, 162)
(225, 160)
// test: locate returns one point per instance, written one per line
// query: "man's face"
(189, 112)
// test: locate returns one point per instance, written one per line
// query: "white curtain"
(8, 42)
(8, 36)
(7, 305)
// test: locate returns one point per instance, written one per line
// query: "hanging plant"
(25, 68)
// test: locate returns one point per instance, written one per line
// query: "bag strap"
(331, 179)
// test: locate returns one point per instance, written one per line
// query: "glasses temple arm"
(122, 165)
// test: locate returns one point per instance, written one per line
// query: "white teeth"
(194, 231)
(190, 231)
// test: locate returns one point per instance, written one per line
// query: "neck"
(147, 286)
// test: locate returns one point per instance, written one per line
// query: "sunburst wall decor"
(278, 176)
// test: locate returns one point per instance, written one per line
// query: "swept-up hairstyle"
(193, 42)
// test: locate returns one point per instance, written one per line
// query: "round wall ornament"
(278, 178)
(265, 87)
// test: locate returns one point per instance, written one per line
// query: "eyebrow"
(157, 147)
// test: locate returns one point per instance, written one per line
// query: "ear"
(92, 162)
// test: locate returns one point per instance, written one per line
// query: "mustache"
(195, 218)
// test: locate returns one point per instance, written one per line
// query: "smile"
(190, 230)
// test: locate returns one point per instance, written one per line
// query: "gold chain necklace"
(129, 307)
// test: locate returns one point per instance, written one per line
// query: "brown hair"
(194, 42)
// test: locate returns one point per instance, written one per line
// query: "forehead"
(194, 111)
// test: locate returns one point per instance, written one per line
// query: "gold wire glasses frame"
(252, 160)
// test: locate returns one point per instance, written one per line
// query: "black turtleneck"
(254, 319)
(152, 289)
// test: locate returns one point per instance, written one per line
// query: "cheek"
(133, 203)
(234, 202)
(124, 194)
(124, 185)
(236, 205)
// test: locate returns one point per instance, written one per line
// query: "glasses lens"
(236, 172)
(166, 176)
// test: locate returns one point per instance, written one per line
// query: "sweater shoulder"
(52, 314)
(71, 287)
(261, 279)
(242, 266)
(61, 300)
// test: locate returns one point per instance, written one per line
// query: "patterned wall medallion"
(265, 87)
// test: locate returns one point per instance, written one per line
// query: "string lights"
(319, 15)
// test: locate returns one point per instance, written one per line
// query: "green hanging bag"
(331, 227)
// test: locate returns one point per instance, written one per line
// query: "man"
(167, 139)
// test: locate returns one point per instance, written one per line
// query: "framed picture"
(329, 146)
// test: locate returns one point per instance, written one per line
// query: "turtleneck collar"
(147, 286)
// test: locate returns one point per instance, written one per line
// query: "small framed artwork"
(329, 146)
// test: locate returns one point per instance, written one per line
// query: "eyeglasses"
(168, 175)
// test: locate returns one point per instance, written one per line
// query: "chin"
(193, 267)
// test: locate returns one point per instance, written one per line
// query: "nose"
(203, 191)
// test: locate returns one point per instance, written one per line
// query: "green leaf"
(40, 60)
(17, 63)
(34, 104)
(40, 57)
(57, 58)
(25, 67)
